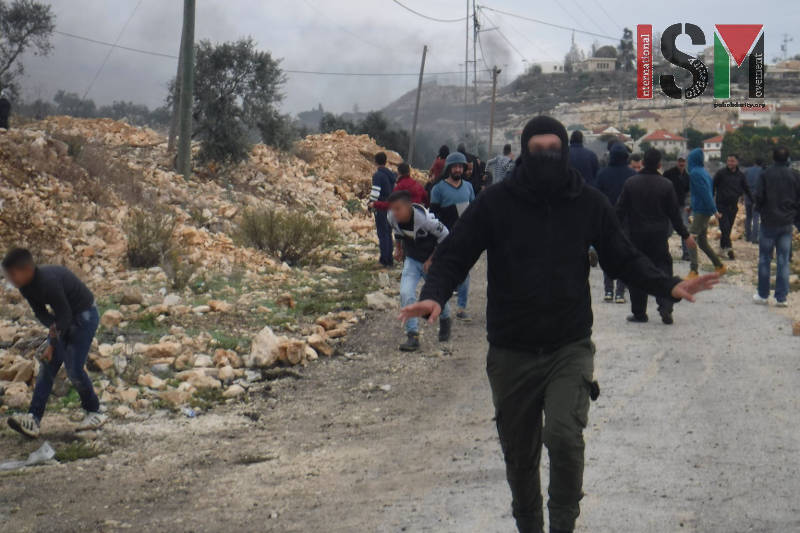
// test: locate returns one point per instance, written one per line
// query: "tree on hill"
(636, 131)
(695, 137)
(749, 143)
(24, 25)
(72, 105)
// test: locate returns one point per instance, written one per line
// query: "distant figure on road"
(752, 219)
(648, 206)
(729, 185)
(382, 185)
(417, 233)
(5, 109)
(703, 208)
(777, 199)
(535, 228)
(64, 304)
(679, 177)
(582, 159)
(449, 199)
(501, 166)
(610, 181)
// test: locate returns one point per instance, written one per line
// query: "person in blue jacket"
(582, 159)
(382, 186)
(703, 208)
(610, 181)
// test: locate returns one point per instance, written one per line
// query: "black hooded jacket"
(537, 237)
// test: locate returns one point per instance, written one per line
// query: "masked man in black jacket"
(539, 316)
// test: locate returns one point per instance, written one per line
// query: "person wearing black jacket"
(72, 319)
(647, 205)
(729, 185)
(536, 227)
(777, 200)
(679, 176)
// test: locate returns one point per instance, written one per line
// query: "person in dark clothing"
(5, 109)
(729, 186)
(406, 183)
(538, 314)
(382, 186)
(476, 176)
(417, 233)
(72, 320)
(679, 177)
(582, 159)
(777, 199)
(752, 218)
(610, 181)
(647, 206)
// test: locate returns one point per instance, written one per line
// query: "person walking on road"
(382, 185)
(703, 208)
(417, 233)
(535, 228)
(729, 186)
(502, 165)
(582, 159)
(406, 183)
(449, 199)
(777, 199)
(752, 219)
(610, 181)
(647, 206)
(72, 318)
(679, 177)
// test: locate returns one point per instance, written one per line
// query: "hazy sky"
(353, 36)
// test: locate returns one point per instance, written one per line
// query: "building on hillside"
(784, 70)
(789, 115)
(756, 117)
(713, 147)
(549, 67)
(644, 114)
(665, 141)
(597, 64)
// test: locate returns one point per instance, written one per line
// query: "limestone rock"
(226, 374)
(264, 349)
(317, 342)
(218, 306)
(171, 300)
(378, 300)
(292, 352)
(151, 382)
(234, 391)
(111, 319)
(131, 296)
(162, 349)
(203, 361)
(175, 397)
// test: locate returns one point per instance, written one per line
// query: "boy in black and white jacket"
(417, 233)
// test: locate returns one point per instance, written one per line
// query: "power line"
(591, 19)
(613, 21)
(110, 50)
(461, 19)
(551, 24)
(503, 35)
(118, 46)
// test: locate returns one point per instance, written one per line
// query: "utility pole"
(176, 99)
(187, 91)
(475, 30)
(413, 141)
(495, 72)
(466, 72)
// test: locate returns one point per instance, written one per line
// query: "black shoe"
(638, 319)
(609, 297)
(666, 317)
(411, 344)
(445, 326)
(731, 255)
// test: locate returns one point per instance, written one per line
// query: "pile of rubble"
(46, 205)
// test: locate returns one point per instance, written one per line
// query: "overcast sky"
(353, 36)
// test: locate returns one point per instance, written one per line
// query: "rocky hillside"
(215, 315)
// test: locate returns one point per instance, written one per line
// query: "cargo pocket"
(583, 395)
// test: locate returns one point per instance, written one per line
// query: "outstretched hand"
(425, 308)
(686, 289)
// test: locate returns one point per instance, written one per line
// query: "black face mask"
(545, 168)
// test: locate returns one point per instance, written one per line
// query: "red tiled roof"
(715, 139)
(663, 135)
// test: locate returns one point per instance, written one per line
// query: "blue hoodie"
(611, 179)
(701, 185)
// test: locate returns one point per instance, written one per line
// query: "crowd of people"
(538, 315)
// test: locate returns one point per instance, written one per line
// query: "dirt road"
(697, 430)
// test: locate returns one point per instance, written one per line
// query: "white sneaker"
(782, 304)
(25, 424)
(758, 300)
(92, 421)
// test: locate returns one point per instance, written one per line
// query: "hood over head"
(545, 175)
(618, 155)
(695, 158)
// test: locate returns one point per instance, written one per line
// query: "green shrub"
(290, 236)
(150, 238)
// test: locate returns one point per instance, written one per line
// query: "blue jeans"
(780, 239)
(71, 351)
(384, 237)
(412, 274)
(463, 293)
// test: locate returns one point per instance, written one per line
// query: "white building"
(713, 147)
(665, 141)
(597, 64)
(757, 117)
(549, 67)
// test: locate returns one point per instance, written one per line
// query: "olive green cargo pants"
(524, 387)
